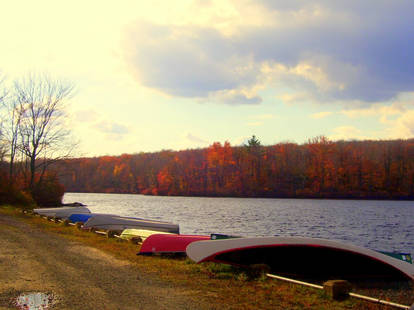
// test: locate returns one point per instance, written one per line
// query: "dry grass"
(227, 285)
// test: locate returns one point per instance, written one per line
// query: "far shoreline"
(259, 197)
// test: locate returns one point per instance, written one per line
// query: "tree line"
(319, 168)
(35, 163)
(33, 136)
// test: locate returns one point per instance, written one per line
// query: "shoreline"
(254, 197)
(216, 286)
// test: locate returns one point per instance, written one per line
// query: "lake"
(378, 225)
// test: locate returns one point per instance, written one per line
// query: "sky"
(154, 75)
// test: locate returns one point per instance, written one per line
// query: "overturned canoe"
(406, 257)
(114, 222)
(83, 217)
(168, 244)
(305, 257)
(79, 217)
(130, 233)
(63, 212)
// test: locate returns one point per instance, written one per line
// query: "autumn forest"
(319, 168)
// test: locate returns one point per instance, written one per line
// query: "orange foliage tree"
(316, 169)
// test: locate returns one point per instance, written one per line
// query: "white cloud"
(233, 97)
(112, 130)
(347, 133)
(240, 140)
(408, 121)
(320, 115)
(190, 137)
(328, 51)
(402, 127)
(259, 119)
(383, 111)
(396, 118)
(294, 98)
(255, 124)
(85, 116)
(264, 116)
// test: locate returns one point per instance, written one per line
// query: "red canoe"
(308, 257)
(168, 244)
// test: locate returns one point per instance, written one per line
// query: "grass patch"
(228, 286)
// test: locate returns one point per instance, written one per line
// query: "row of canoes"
(294, 256)
(106, 221)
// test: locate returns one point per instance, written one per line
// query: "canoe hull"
(119, 223)
(63, 212)
(168, 244)
(304, 257)
(142, 233)
(79, 217)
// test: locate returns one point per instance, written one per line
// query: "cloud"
(347, 133)
(383, 112)
(348, 51)
(264, 116)
(112, 130)
(86, 116)
(258, 120)
(320, 115)
(195, 139)
(396, 119)
(407, 121)
(239, 141)
(190, 62)
(293, 98)
(401, 127)
(255, 124)
(232, 97)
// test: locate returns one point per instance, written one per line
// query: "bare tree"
(43, 136)
(3, 142)
(11, 131)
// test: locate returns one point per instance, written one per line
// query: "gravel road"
(80, 277)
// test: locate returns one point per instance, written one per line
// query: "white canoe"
(142, 233)
(113, 222)
(63, 212)
(308, 257)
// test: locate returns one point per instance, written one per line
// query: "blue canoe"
(77, 217)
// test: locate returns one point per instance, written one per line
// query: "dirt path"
(81, 277)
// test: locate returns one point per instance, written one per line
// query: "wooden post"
(110, 234)
(135, 240)
(257, 270)
(337, 289)
(371, 299)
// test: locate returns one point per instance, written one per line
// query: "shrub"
(12, 195)
(48, 191)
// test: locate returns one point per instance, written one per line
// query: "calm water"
(381, 225)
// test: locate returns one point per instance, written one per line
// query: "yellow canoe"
(142, 233)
